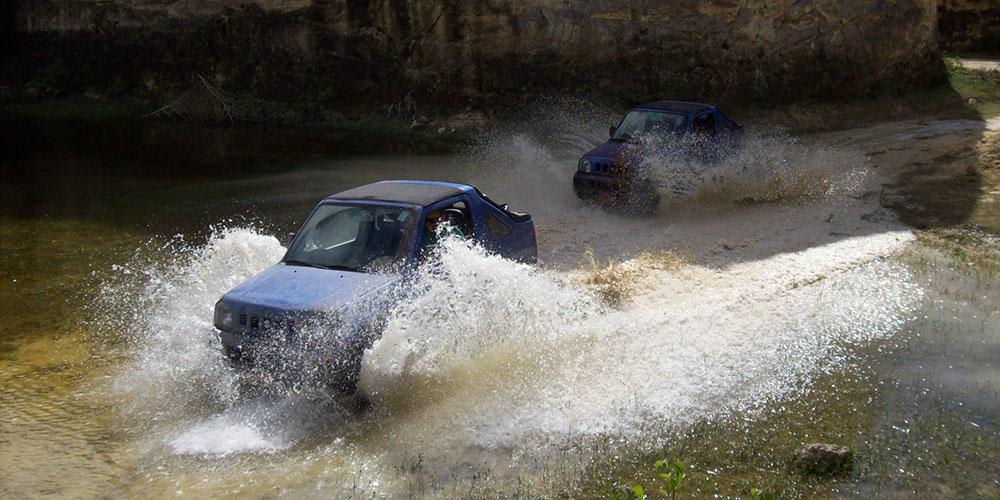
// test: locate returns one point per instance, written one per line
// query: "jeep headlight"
(584, 165)
(223, 317)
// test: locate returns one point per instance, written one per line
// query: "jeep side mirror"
(288, 239)
(611, 131)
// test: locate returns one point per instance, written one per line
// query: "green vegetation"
(980, 89)
(965, 249)
(956, 186)
(79, 108)
(672, 473)
(757, 494)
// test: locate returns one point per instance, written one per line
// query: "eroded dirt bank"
(347, 54)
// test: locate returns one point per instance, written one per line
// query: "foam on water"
(222, 435)
(263, 425)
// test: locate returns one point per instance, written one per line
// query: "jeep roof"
(685, 107)
(420, 193)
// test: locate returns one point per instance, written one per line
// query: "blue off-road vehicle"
(609, 173)
(343, 269)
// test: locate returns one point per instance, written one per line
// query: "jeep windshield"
(354, 238)
(639, 123)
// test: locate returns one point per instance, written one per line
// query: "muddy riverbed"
(784, 296)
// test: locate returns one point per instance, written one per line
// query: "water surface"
(497, 378)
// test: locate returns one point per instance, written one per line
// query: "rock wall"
(357, 51)
(970, 26)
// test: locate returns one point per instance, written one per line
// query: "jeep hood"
(299, 289)
(608, 151)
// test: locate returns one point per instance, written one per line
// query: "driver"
(449, 220)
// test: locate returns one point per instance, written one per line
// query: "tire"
(232, 354)
(644, 197)
(584, 193)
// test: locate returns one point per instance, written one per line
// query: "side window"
(498, 230)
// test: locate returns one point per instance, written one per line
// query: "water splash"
(177, 384)
(484, 354)
(532, 163)
(763, 166)
(495, 354)
(491, 353)
(161, 310)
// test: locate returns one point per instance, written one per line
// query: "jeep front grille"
(254, 323)
(603, 168)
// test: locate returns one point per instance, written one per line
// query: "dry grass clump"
(662, 260)
(616, 282)
(974, 251)
(989, 152)
(613, 283)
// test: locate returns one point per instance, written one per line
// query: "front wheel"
(644, 197)
(584, 192)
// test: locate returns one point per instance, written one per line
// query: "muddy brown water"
(71, 218)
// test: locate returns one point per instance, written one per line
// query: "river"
(729, 302)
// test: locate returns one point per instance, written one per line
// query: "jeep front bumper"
(588, 186)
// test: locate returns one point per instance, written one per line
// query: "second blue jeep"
(608, 173)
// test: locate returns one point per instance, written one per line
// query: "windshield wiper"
(293, 262)
(342, 268)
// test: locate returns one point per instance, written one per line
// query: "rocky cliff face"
(970, 26)
(350, 51)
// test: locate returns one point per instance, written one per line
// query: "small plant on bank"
(673, 473)
(636, 492)
(757, 494)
